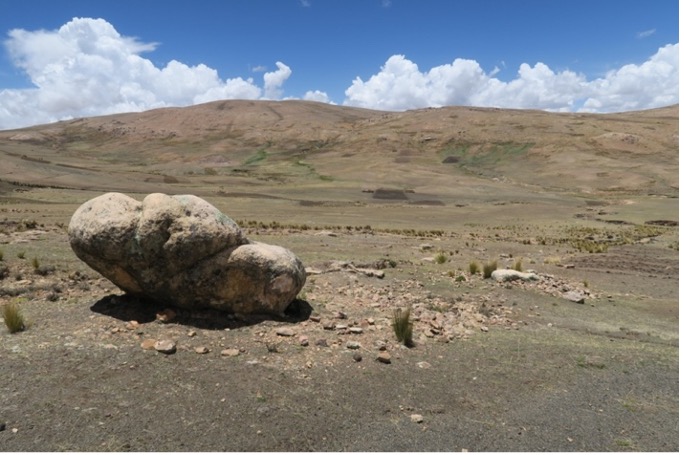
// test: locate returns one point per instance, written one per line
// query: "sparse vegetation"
(21, 254)
(13, 318)
(473, 268)
(488, 268)
(403, 327)
(518, 265)
(440, 258)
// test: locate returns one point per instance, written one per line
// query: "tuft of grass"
(473, 268)
(518, 265)
(35, 263)
(441, 258)
(13, 318)
(403, 327)
(488, 268)
(21, 254)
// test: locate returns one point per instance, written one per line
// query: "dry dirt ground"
(495, 366)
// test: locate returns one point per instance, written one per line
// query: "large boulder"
(182, 251)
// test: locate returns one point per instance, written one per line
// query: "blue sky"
(579, 55)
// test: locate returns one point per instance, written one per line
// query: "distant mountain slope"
(298, 141)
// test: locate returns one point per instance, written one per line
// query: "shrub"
(21, 254)
(441, 258)
(488, 268)
(403, 327)
(473, 268)
(13, 317)
(35, 263)
(4, 271)
(518, 265)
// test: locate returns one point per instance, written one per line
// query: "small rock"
(148, 344)
(284, 332)
(131, 325)
(370, 321)
(357, 357)
(322, 343)
(315, 318)
(484, 328)
(165, 346)
(192, 333)
(303, 340)
(230, 352)
(384, 357)
(329, 326)
(416, 418)
(356, 330)
(574, 296)
(353, 345)
(201, 349)
(341, 327)
(424, 365)
(3, 426)
(166, 315)
(341, 315)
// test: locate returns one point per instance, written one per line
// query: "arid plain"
(387, 211)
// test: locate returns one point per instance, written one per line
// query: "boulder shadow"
(126, 307)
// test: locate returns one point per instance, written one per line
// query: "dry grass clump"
(13, 318)
(473, 268)
(518, 265)
(488, 268)
(403, 327)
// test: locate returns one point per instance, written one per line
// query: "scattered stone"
(166, 316)
(370, 321)
(357, 357)
(183, 251)
(341, 327)
(574, 296)
(192, 333)
(423, 365)
(304, 340)
(148, 344)
(384, 357)
(341, 315)
(505, 275)
(484, 329)
(165, 346)
(131, 325)
(230, 352)
(416, 418)
(201, 350)
(329, 326)
(322, 343)
(356, 330)
(353, 345)
(315, 318)
(284, 332)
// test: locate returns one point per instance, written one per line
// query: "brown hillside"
(307, 143)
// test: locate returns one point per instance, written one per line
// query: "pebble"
(416, 418)
(303, 340)
(201, 350)
(315, 318)
(356, 330)
(423, 365)
(353, 345)
(148, 344)
(165, 346)
(341, 327)
(166, 315)
(284, 332)
(322, 342)
(357, 357)
(384, 357)
(230, 352)
(192, 333)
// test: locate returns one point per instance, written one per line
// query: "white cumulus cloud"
(87, 68)
(401, 85)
